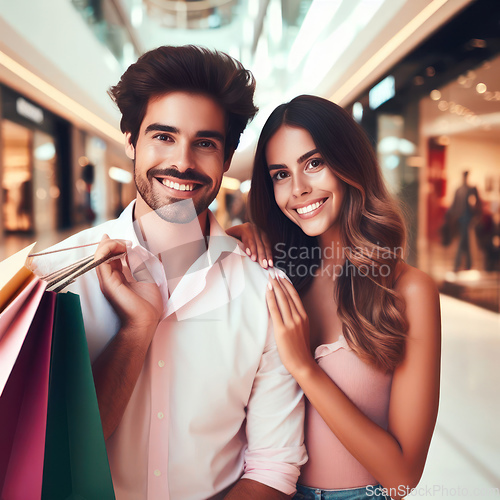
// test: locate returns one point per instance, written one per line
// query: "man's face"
(179, 156)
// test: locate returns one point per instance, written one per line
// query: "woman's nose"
(300, 186)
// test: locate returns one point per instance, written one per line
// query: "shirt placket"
(160, 413)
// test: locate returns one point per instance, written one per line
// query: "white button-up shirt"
(213, 402)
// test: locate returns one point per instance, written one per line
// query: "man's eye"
(162, 137)
(206, 144)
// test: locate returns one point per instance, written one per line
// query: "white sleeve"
(275, 424)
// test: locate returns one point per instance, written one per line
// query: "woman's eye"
(315, 163)
(278, 176)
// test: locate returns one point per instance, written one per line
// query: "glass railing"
(110, 26)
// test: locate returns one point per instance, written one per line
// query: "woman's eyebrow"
(276, 166)
(300, 160)
(305, 156)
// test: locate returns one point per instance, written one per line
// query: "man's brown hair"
(187, 69)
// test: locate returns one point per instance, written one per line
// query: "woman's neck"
(332, 251)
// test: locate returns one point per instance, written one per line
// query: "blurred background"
(422, 77)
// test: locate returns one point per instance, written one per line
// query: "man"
(466, 205)
(193, 397)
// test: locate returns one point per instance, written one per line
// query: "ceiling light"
(435, 95)
(230, 183)
(481, 88)
(245, 186)
(386, 50)
(45, 152)
(59, 97)
(120, 175)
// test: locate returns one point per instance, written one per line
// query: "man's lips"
(179, 185)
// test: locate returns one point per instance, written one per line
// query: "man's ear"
(129, 147)
(227, 163)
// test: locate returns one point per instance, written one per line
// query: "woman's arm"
(395, 457)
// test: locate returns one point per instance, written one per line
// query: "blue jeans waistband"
(373, 492)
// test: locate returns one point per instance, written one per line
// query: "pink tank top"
(330, 465)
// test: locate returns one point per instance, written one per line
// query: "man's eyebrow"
(305, 156)
(158, 127)
(211, 134)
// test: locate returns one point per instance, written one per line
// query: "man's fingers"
(109, 248)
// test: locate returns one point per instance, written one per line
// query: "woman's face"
(305, 187)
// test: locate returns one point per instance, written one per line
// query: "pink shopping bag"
(23, 402)
(15, 321)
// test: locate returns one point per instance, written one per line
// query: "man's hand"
(137, 304)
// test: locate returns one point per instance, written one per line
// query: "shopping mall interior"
(422, 78)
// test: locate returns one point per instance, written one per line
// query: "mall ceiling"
(333, 48)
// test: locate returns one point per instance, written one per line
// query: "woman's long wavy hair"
(372, 229)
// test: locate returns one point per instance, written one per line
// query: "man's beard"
(175, 210)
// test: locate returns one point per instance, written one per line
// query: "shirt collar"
(220, 245)
(218, 241)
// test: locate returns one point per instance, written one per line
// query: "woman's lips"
(310, 210)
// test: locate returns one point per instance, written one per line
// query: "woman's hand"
(255, 243)
(291, 326)
(137, 303)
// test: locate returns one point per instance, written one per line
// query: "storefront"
(35, 147)
(435, 116)
(54, 175)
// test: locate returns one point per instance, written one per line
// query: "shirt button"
(160, 415)
(157, 473)
(161, 363)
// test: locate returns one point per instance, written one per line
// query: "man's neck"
(178, 246)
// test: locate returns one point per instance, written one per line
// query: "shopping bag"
(23, 406)
(15, 321)
(14, 275)
(76, 463)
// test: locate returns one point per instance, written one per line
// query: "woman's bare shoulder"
(412, 282)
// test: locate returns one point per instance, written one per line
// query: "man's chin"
(179, 211)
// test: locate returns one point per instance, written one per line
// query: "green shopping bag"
(75, 464)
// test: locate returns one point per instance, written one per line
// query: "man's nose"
(182, 158)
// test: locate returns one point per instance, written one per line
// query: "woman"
(359, 329)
